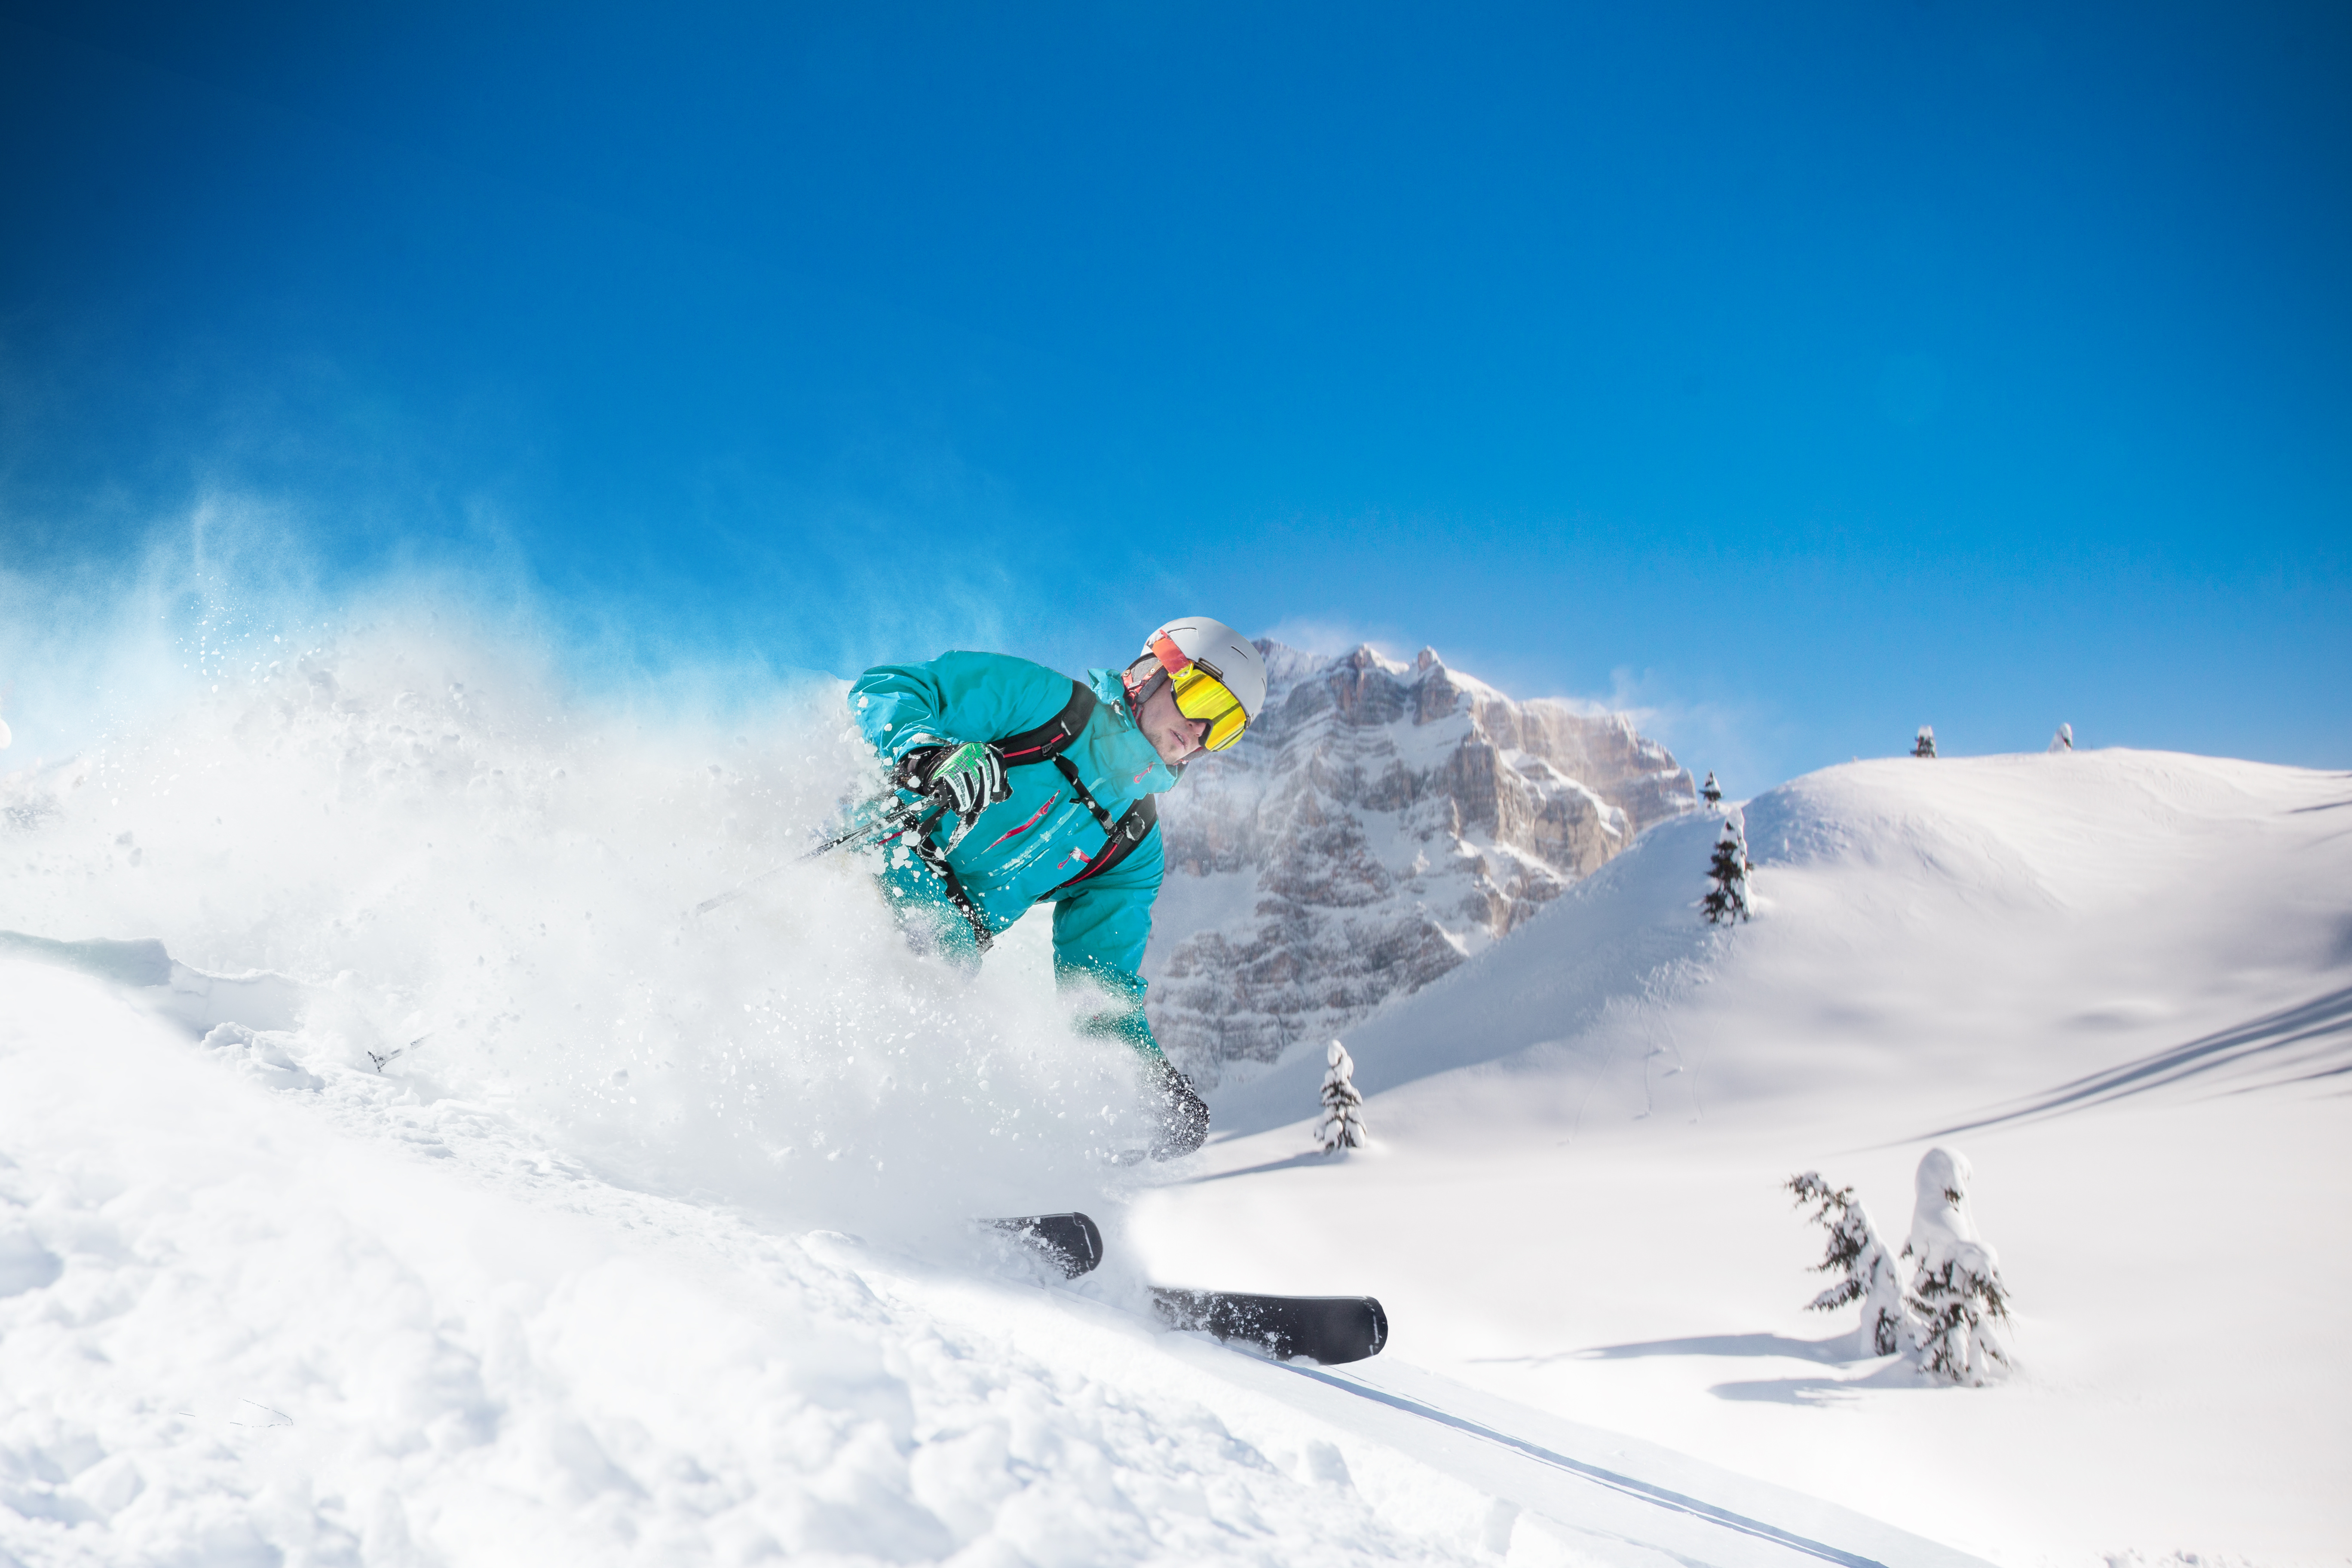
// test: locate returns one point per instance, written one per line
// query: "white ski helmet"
(1192, 647)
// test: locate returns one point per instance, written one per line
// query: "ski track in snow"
(649, 1241)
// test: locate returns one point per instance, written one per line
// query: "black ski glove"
(1184, 1116)
(968, 779)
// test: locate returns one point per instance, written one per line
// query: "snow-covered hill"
(2120, 982)
(1924, 921)
(1382, 823)
(438, 1189)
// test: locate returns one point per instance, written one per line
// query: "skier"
(1020, 786)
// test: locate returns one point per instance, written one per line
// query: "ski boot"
(1180, 1116)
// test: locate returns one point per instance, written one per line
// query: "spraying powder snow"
(487, 882)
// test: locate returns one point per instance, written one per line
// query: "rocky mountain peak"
(1366, 687)
(1380, 823)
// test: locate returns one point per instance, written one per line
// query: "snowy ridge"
(1895, 860)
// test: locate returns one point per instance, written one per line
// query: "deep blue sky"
(1805, 373)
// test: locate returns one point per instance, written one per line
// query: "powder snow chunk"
(263, 1058)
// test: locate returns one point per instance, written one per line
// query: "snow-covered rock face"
(1380, 824)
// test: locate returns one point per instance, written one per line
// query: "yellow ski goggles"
(1200, 694)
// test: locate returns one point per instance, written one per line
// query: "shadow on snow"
(2294, 1045)
(1887, 1372)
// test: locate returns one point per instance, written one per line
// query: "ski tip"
(1331, 1330)
(1092, 1234)
(1073, 1241)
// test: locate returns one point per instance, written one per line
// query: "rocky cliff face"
(1382, 823)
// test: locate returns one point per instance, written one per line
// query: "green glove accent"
(969, 778)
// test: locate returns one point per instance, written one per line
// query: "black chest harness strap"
(1046, 742)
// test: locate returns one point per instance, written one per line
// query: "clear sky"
(1801, 373)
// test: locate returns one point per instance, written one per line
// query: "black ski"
(1326, 1329)
(1070, 1241)
(1332, 1329)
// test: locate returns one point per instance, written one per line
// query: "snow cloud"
(407, 800)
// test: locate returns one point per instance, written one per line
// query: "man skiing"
(1016, 786)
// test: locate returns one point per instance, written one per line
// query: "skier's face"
(1172, 735)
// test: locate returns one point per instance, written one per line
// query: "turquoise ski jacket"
(1021, 849)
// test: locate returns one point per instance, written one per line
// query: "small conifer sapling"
(1957, 1293)
(1926, 746)
(2063, 740)
(1866, 1271)
(1342, 1126)
(1711, 791)
(1726, 900)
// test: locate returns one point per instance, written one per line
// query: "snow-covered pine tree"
(1342, 1126)
(1727, 900)
(2063, 740)
(1711, 791)
(1957, 1292)
(1868, 1272)
(1925, 747)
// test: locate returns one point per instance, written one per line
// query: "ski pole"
(903, 814)
(836, 842)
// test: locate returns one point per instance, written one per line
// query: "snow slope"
(440, 1190)
(2122, 983)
